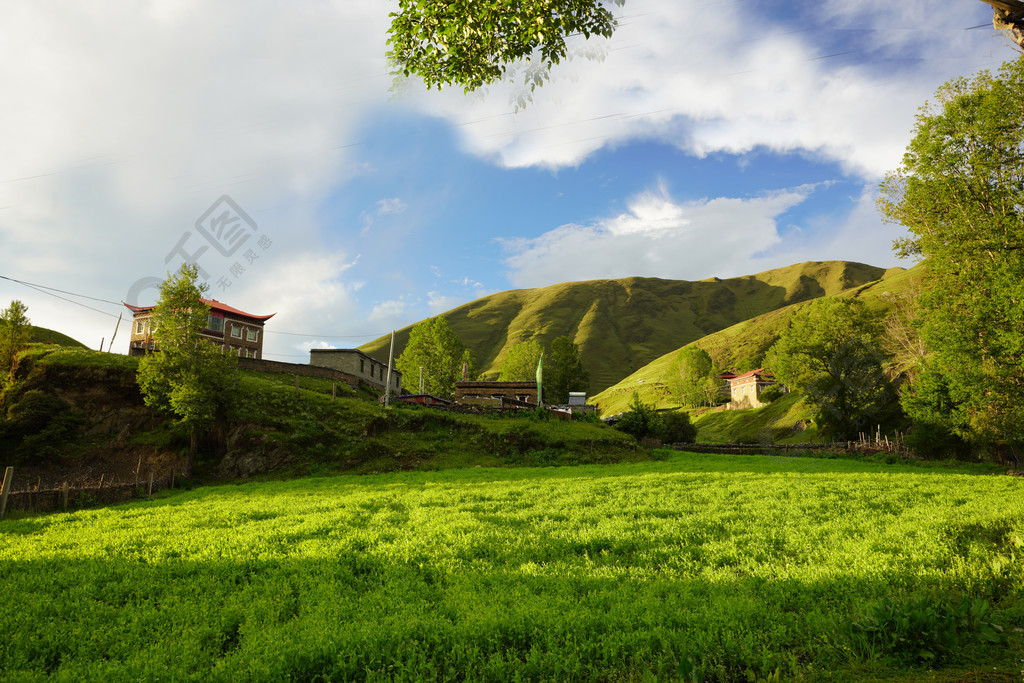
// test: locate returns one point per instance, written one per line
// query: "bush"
(675, 427)
(770, 393)
(640, 421)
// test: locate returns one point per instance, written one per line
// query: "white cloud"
(132, 118)
(384, 207)
(677, 73)
(657, 237)
(439, 303)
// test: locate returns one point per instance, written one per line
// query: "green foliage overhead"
(434, 347)
(960, 193)
(189, 376)
(830, 352)
(15, 332)
(471, 43)
(520, 364)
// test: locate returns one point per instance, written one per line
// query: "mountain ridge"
(623, 324)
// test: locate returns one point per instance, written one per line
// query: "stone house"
(233, 330)
(745, 390)
(357, 363)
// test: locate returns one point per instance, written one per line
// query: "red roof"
(213, 304)
(752, 373)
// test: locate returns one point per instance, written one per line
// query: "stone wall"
(263, 365)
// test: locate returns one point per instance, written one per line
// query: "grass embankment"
(785, 420)
(714, 568)
(75, 401)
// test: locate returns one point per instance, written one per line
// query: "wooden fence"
(37, 498)
(866, 444)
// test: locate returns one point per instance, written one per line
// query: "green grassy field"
(697, 567)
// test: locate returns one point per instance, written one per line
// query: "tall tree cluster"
(960, 193)
(831, 352)
(563, 367)
(437, 351)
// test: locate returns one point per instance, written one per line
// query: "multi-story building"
(233, 330)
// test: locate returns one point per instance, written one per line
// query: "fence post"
(5, 489)
(150, 490)
(64, 494)
(172, 477)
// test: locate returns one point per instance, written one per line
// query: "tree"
(15, 331)
(188, 376)
(829, 352)
(688, 375)
(434, 347)
(640, 420)
(520, 364)
(960, 193)
(471, 42)
(564, 372)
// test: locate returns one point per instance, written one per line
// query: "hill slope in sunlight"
(622, 325)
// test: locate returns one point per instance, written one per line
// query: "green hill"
(43, 335)
(741, 347)
(622, 325)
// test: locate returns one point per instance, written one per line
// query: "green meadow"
(693, 567)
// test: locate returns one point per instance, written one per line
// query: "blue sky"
(703, 139)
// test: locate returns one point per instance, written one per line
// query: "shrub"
(770, 393)
(675, 427)
(640, 420)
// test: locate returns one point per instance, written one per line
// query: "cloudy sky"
(705, 138)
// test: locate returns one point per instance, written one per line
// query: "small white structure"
(577, 398)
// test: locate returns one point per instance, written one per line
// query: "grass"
(270, 430)
(622, 325)
(775, 423)
(698, 567)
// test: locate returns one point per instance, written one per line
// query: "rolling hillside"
(741, 346)
(622, 325)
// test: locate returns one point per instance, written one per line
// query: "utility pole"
(391, 356)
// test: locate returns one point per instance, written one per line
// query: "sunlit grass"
(720, 564)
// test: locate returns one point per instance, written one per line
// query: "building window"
(252, 335)
(362, 365)
(215, 324)
(139, 327)
(236, 331)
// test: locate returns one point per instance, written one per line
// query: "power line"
(44, 289)
(62, 291)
